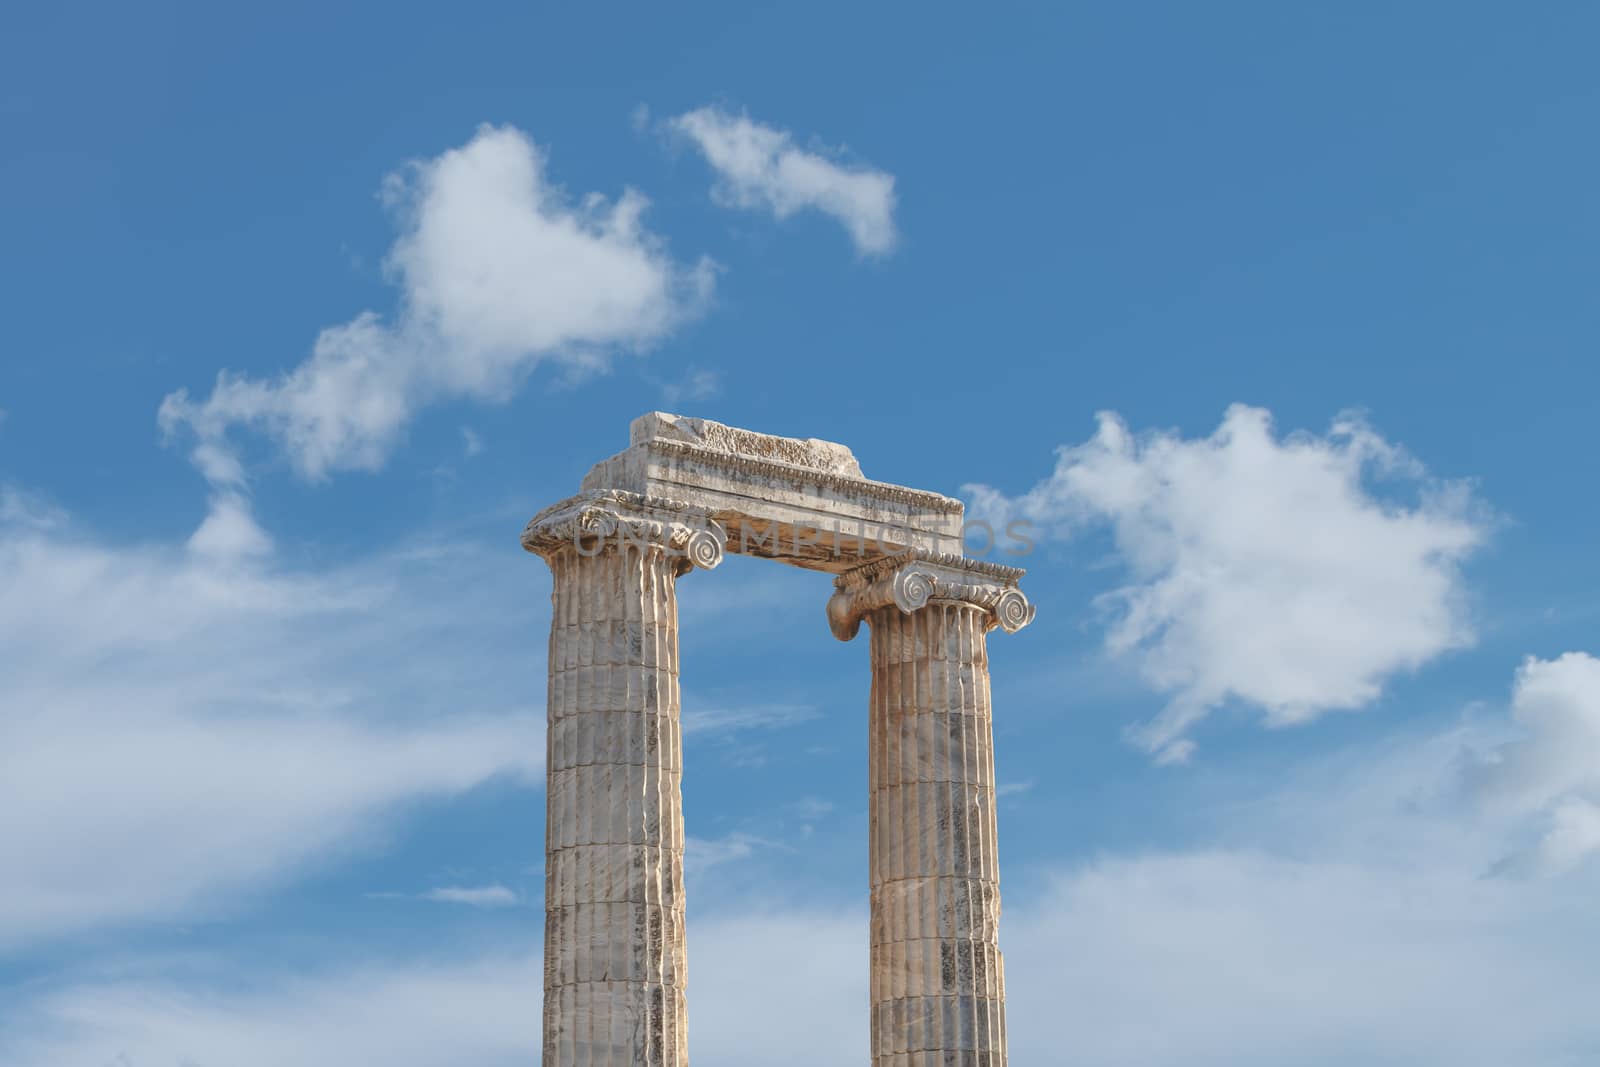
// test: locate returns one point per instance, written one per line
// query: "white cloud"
(1573, 835)
(1336, 913)
(230, 530)
(1550, 774)
(484, 896)
(1239, 958)
(471, 442)
(1206, 958)
(1272, 572)
(475, 1011)
(1339, 918)
(179, 729)
(479, 1009)
(760, 167)
(744, 1016)
(497, 271)
(159, 813)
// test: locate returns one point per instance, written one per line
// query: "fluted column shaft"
(938, 983)
(615, 956)
(615, 960)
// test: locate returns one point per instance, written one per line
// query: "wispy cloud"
(760, 166)
(698, 384)
(230, 530)
(24, 512)
(484, 896)
(702, 854)
(1356, 876)
(177, 733)
(473, 1010)
(811, 807)
(468, 1008)
(746, 717)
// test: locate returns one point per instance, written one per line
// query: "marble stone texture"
(937, 979)
(807, 452)
(685, 491)
(616, 961)
(795, 500)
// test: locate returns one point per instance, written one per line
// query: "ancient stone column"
(615, 965)
(937, 979)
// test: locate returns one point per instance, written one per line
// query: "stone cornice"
(595, 521)
(910, 584)
(920, 498)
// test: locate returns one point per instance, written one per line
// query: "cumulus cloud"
(759, 166)
(178, 731)
(498, 270)
(1550, 774)
(1275, 572)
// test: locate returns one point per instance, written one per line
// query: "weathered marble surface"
(937, 977)
(683, 493)
(910, 582)
(616, 961)
(806, 452)
(799, 501)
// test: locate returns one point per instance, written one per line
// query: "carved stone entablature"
(607, 519)
(915, 580)
(799, 501)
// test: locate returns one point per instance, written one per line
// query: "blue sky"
(1278, 325)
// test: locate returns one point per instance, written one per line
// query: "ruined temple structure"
(684, 492)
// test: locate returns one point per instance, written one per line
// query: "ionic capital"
(915, 580)
(604, 520)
